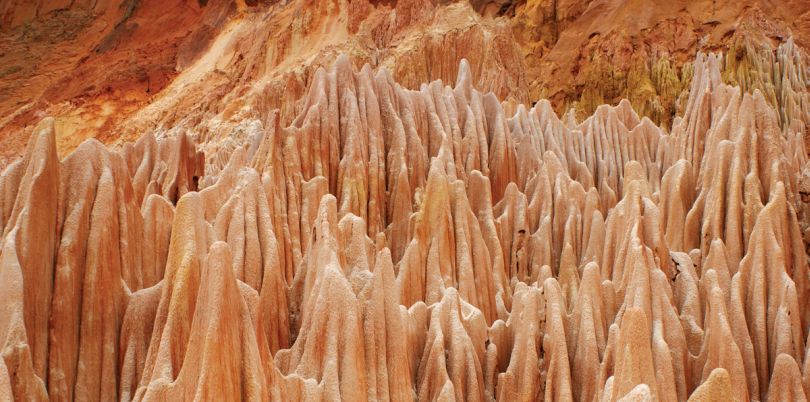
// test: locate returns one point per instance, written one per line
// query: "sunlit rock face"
(116, 69)
(428, 244)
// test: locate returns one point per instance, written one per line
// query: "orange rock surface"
(286, 226)
(115, 69)
(395, 244)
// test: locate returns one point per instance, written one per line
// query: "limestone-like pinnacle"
(428, 243)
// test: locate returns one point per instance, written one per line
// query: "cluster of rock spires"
(430, 244)
(115, 69)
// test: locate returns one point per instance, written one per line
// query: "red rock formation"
(115, 69)
(404, 244)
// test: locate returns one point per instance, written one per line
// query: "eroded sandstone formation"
(432, 244)
(115, 69)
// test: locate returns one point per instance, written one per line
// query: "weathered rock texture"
(430, 244)
(115, 69)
